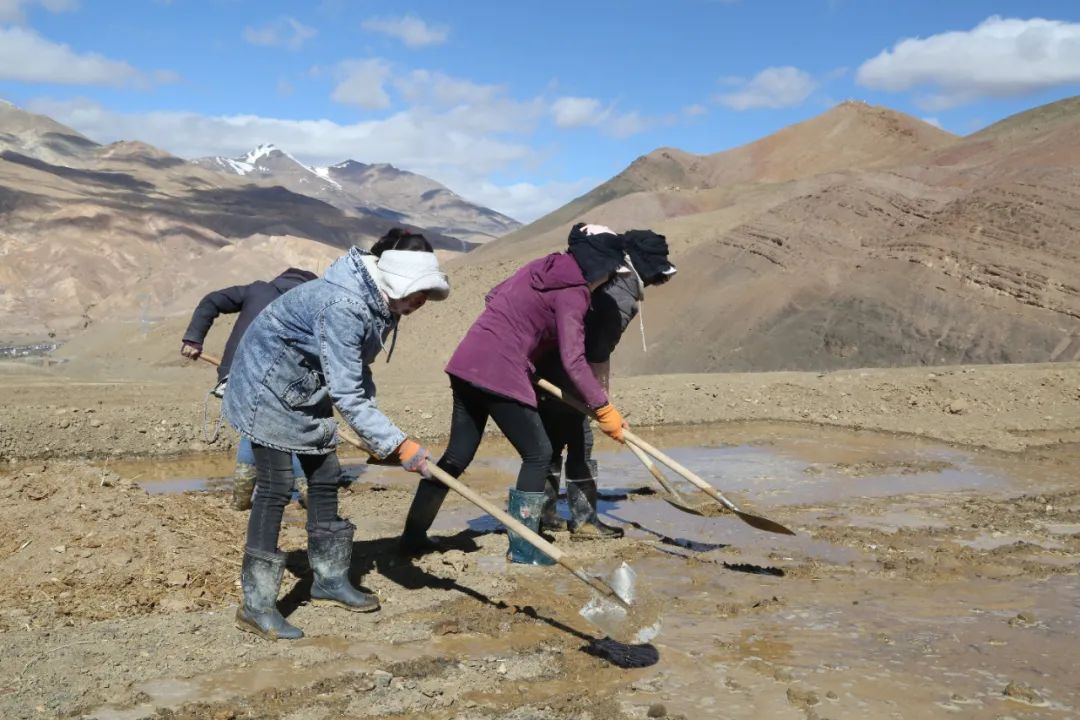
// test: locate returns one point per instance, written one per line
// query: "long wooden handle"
(212, 359)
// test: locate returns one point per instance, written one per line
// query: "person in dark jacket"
(310, 352)
(248, 301)
(614, 306)
(540, 307)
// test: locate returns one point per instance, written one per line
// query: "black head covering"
(597, 255)
(648, 252)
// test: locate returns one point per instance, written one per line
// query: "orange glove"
(414, 457)
(611, 422)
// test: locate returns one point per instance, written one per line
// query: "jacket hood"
(291, 278)
(348, 272)
(555, 272)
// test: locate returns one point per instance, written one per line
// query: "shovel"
(610, 611)
(761, 523)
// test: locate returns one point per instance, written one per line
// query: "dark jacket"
(539, 308)
(248, 300)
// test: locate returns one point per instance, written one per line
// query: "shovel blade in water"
(634, 623)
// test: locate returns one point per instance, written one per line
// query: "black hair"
(401, 239)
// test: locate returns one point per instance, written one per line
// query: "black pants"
(519, 423)
(569, 430)
(274, 483)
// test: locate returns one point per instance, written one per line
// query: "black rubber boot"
(549, 516)
(425, 506)
(243, 486)
(260, 578)
(526, 507)
(330, 546)
(584, 523)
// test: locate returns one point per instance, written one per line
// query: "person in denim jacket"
(308, 352)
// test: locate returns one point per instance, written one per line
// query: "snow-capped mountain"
(378, 189)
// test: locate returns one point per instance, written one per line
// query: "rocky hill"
(861, 237)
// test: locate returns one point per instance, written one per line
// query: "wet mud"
(924, 581)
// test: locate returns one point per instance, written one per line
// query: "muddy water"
(761, 625)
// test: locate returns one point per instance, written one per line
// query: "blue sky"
(519, 106)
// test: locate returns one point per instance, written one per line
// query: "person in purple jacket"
(540, 307)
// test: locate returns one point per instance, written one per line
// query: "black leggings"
(274, 484)
(570, 430)
(519, 423)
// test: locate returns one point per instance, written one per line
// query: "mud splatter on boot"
(243, 486)
(260, 579)
(330, 547)
(584, 523)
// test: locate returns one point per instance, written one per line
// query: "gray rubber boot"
(243, 486)
(260, 578)
(549, 517)
(330, 546)
(526, 507)
(425, 506)
(584, 523)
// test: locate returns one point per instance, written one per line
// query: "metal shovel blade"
(636, 623)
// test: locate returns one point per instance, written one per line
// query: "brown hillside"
(924, 260)
(849, 136)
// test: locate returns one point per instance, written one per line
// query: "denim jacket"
(308, 351)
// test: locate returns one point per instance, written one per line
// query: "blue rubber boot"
(527, 508)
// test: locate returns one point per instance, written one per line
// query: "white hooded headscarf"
(402, 272)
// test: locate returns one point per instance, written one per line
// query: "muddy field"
(927, 579)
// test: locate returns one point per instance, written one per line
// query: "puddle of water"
(796, 468)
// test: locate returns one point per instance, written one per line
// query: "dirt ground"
(933, 574)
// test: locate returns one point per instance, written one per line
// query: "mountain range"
(859, 237)
(379, 190)
(91, 232)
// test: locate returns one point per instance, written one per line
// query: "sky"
(519, 106)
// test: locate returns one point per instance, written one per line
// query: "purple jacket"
(539, 307)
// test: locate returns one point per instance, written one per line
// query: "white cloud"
(283, 32)
(523, 201)
(410, 29)
(932, 121)
(694, 110)
(13, 11)
(362, 83)
(1000, 57)
(775, 87)
(436, 88)
(573, 112)
(25, 56)
(570, 112)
